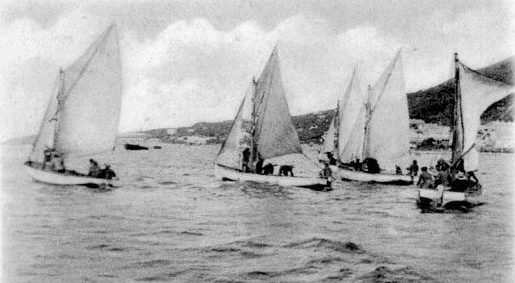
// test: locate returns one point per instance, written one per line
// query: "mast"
(368, 114)
(59, 105)
(253, 119)
(337, 129)
(457, 138)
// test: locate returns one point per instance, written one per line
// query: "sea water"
(172, 220)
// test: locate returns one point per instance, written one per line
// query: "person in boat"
(259, 165)
(356, 164)
(330, 157)
(442, 165)
(442, 176)
(245, 160)
(371, 165)
(285, 170)
(268, 169)
(107, 173)
(94, 169)
(471, 177)
(47, 157)
(327, 173)
(57, 163)
(425, 180)
(413, 169)
(459, 183)
(398, 170)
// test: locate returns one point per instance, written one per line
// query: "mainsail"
(388, 125)
(274, 134)
(83, 119)
(475, 92)
(271, 132)
(89, 106)
(352, 116)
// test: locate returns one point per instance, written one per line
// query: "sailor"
(259, 165)
(425, 180)
(285, 170)
(327, 173)
(372, 165)
(413, 169)
(107, 173)
(94, 169)
(268, 169)
(57, 163)
(398, 170)
(245, 160)
(47, 157)
(357, 165)
(442, 176)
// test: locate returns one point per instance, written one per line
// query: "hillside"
(433, 105)
(436, 104)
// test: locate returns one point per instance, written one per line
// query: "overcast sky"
(191, 61)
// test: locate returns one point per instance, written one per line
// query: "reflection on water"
(172, 220)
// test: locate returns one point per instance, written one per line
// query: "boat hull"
(54, 178)
(360, 176)
(436, 199)
(229, 174)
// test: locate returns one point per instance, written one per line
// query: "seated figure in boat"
(371, 166)
(259, 165)
(94, 169)
(443, 176)
(245, 158)
(57, 163)
(425, 180)
(107, 173)
(398, 170)
(356, 164)
(413, 169)
(47, 158)
(285, 170)
(268, 169)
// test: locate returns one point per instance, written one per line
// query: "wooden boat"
(231, 174)
(82, 119)
(375, 125)
(129, 146)
(474, 93)
(262, 125)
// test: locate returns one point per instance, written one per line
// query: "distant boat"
(129, 146)
(268, 133)
(474, 93)
(82, 119)
(371, 123)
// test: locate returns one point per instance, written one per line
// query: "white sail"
(45, 138)
(275, 134)
(388, 128)
(89, 106)
(477, 92)
(239, 135)
(329, 140)
(352, 116)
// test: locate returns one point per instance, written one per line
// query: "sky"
(191, 61)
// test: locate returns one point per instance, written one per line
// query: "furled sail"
(275, 134)
(352, 120)
(89, 105)
(475, 93)
(388, 126)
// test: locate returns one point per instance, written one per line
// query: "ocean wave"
(316, 242)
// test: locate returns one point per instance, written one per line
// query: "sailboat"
(82, 119)
(372, 123)
(267, 133)
(474, 93)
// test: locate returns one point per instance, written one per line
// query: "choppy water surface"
(172, 220)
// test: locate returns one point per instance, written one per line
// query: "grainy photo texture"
(257, 141)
